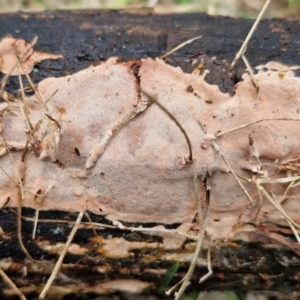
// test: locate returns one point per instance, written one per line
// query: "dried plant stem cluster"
(132, 141)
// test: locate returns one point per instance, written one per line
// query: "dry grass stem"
(180, 46)
(210, 271)
(24, 110)
(217, 149)
(244, 45)
(294, 231)
(12, 285)
(62, 255)
(90, 221)
(4, 80)
(250, 70)
(218, 134)
(38, 202)
(202, 219)
(291, 185)
(174, 287)
(233, 173)
(262, 191)
(254, 81)
(20, 185)
(36, 217)
(277, 205)
(36, 91)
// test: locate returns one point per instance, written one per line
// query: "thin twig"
(20, 185)
(36, 91)
(252, 123)
(38, 202)
(210, 271)
(202, 228)
(12, 285)
(262, 190)
(275, 203)
(294, 231)
(244, 45)
(291, 185)
(90, 220)
(254, 81)
(180, 46)
(218, 150)
(154, 100)
(62, 255)
(24, 110)
(250, 71)
(20, 199)
(3, 82)
(198, 199)
(36, 217)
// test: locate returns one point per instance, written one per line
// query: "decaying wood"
(135, 254)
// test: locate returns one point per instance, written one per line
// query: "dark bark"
(268, 261)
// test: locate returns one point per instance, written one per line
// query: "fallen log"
(134, 142)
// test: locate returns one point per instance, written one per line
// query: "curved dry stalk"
(210, 271)
(62, 255)
(154, 100)
(11, 284)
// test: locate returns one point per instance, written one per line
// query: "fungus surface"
(100, 138)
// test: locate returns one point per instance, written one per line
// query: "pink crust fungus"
(102, 139)
(13, 51)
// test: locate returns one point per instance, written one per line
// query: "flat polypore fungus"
(13, 51)
(140, 174)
